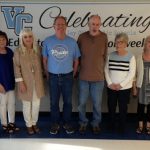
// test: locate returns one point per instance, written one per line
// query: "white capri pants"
(31, 110)
(7, 104)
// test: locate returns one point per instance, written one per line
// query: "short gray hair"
(122, 36)
(93, 16)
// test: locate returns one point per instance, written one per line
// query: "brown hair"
(60, 17)
(3, 34)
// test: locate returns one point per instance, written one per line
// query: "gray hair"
(93, 16)
(122, 36)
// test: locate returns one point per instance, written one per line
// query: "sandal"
(5, 128)
(12, 127)
(148, 130)
(36, 128)
(30, 130)
(139, 130)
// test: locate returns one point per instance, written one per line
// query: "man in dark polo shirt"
(93, 46)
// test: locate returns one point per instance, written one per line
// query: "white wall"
(132, 18)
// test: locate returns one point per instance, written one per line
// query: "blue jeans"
(95, 89)
(61, 84)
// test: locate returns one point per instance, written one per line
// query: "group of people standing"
(60, 59)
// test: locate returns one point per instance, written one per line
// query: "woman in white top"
(119, 73)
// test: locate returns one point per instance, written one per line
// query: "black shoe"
(54, 129)
(69, 129)
(82, 129)
(148, 130)
(139, 130)
(96, 129)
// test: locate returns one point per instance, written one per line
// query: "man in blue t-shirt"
(60, 58)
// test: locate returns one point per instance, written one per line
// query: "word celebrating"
(74, 20)
(16, 18)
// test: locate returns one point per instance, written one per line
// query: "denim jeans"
(61, 84)
(95, 89)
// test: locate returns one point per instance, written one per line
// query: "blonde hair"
(145, 42)
(21, 43)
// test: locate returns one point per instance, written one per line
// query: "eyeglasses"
(119, 42)
(29, 36)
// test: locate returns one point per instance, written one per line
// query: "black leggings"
(141, 112)
(121, 98)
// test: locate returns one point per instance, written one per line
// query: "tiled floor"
(72, 144)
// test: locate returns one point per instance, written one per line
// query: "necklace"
(31, 59)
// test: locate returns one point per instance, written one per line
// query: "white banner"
(134, 19)
(131, 18)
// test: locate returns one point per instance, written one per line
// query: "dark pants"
(61, 84)
(141, 112)
(122, 98)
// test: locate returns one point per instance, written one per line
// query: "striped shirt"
(120, 69)
(144, 94)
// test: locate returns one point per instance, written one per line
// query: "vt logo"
(15, 18)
